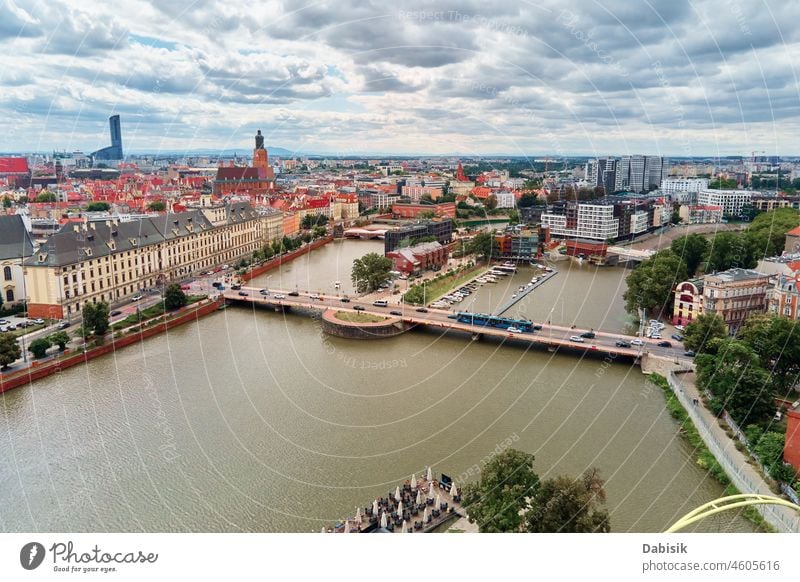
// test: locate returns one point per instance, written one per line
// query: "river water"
(256, 421)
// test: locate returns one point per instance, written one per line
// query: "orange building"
(791, 450)
(291, 223)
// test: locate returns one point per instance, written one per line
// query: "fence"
(782, 519)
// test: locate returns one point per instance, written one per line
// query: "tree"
(319, 232)
(156, 206)
(60, 339)
(95, 317)
(513, 216)
(483, 245)
(497, 502)
(766, 234)
(46, 197)
(776, 340)
(737, 381)
(699, 334)
(651, 284)
(98, 207)
(529, 200)
(9, 350)
(491, 202)
(568, 505)
(174, 297)
(39, 347)
(370, 271)
(7, 202)
(728, 250)
(692, 249)
(721, 183)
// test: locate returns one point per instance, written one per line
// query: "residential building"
(505, 199)
(791, 449)
(683, 190)
(521, 243)
(767, 202)
(114, 260)
(784, 297)
(688, 302)
(731, 201)
(735, 294)
(15, 246)
(592, 219)
(697, 214)
(420, 257)
(415, 193)
(445, 209)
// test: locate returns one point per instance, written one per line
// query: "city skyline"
(713, 78)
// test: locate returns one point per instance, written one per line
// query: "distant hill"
(226, 153)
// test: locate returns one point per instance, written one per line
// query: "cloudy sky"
(559, 77)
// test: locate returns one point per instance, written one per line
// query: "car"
(395, 312)
(217, 285)
(537, 327)
(422, 310)
(243, 293)
(12, 327)
(38, 321)
(4, 322)
(453, 316)
(677, 337)
(359, 307)
(115, 312)
(680, 328)
(345, 300)
(689, 353)
(637, 342)
(264, 292)
(314, 296)
(236, 286)
(136, 297)
(622, 344)
(576, 338)
(63, 325)
(280, 296)
(294, 294)
(513, 329)
(664, 344)
(588, 334)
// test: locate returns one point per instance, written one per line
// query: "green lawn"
(436, 289)
(359, 317)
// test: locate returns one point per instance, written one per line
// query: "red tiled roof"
(13, 166)
(237, 173)
(794, 232)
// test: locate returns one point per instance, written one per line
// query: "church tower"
(261, 159)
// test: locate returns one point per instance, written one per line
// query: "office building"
(114, 151)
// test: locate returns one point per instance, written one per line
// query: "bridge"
(365, 233)
(550, 337)
(628, 255)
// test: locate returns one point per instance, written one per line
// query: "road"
(552, 335)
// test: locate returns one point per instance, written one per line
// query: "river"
(256, 421)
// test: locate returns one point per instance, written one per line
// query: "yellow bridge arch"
(728, 503)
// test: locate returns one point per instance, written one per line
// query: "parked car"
(677, 337)
(236, 286)
(136, 297)
(395, 312)
(637, 342)
(345, 300)
(115, 312)
(622, 344)
(280, 296)
(422, 310)
(358, 307)
(588, 334)
(680, 327)
(38, 321)
(294, 294)
(664, 344)
(689, 353)
(12, 327)
(63, 325)
(243, 293)
(576, 338)
(4, 322)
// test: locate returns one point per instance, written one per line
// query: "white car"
(576, 338)
(136, 297)
(680, 327)
(38, 321)
(514, 330)
(313, 296)
(280, 296)
(637, 342)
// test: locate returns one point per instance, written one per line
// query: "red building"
(420, 257)
(791, 450)
(587, 248)
(445, 209)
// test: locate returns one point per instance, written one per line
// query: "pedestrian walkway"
(735, 463)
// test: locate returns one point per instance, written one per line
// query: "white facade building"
(731, 201)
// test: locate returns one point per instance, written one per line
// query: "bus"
(488, 320)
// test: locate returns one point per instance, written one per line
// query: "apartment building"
(784, 297)
(731, 201)
(735, 294)
(15, 246)
(688, 302)
(683, 190)
(767, 202)
(415, 193)
(593, 220)
(695, 214)
(109, 261)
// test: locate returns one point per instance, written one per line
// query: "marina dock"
(520, 295)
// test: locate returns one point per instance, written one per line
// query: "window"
(9, 294)
(7, 273)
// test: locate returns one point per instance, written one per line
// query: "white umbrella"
(453, 488)
(430, 475)
(419, 497)
(323, 530)
(400, 509)
(346, 526)
(384, 522)
(397, 493)
(430, 491)
(404, 529)
(438, 501)
(358, 515)
(414, 481)
(425, 516)
(375, 508)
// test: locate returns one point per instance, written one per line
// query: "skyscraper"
(114, 151)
